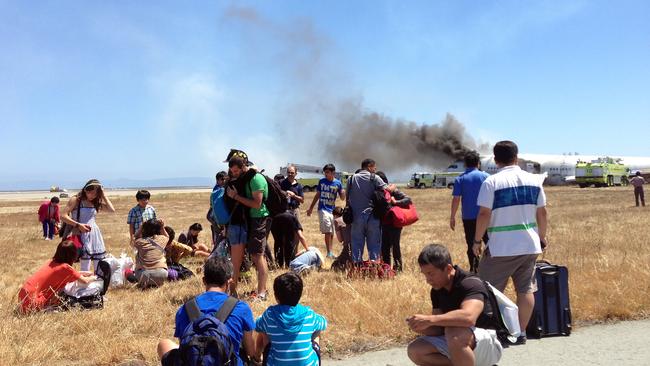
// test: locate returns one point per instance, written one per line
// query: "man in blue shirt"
(466, 188)
(217, 276)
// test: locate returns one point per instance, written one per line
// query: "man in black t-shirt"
(457, 332)
(294, 190)
(287, 231)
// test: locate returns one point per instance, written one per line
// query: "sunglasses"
(90, 188)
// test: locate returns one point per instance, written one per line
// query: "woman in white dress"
(81, 212)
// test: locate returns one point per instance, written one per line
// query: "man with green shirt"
(259, 223)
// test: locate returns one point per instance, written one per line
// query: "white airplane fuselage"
(561, 168)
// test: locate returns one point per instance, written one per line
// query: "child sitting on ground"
(307, 260)
(191, 238)
(174, 250)
(285, 330)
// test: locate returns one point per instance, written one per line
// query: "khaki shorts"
(326, 222)
(497, 270)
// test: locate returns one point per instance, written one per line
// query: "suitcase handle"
(544, 261)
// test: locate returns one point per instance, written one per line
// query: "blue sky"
(150, 89)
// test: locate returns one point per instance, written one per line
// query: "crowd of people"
(504, 220)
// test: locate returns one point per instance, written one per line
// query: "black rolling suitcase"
(552, 313)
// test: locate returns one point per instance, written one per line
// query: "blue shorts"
(237, 234)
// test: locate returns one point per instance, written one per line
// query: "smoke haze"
(324, 119)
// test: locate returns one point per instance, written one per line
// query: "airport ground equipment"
(552, 313)
(421, 180)
(601, 172)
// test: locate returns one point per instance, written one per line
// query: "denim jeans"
(48, 229)
(366, 229)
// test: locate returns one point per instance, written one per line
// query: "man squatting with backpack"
(460, 330)
(239, 323)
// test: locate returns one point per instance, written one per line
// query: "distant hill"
(32, 185)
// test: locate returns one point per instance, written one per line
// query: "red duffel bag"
(400, 217)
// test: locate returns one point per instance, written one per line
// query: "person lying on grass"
(40, 290)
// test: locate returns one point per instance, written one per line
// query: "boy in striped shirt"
(288, 332)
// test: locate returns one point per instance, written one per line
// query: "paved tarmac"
(619, 344)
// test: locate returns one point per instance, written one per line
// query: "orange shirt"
(42, 286)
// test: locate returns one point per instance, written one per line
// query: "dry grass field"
(597, 233)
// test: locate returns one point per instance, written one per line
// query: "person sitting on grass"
(175, 251)
(191, 238)
(40, 290)
(217, 277)
(288, 332)
(150, 263)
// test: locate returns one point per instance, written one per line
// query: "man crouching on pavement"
(457, 331)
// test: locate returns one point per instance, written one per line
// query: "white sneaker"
(47, 238)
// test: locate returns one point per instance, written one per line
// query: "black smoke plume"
(396, 144)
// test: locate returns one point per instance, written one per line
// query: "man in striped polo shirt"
(512, 210)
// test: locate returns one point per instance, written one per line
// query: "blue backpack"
(220, 212)
(206, 341)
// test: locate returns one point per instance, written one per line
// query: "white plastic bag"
(118, 266)
(509, 312)
(79, 289)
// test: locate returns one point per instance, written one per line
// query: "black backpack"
(276, 200)
(380, 206)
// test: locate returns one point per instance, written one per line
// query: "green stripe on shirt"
(517, 227)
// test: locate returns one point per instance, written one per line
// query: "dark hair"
(367, 162)
(638, 173)
(66, 252)
(196, 226)
(142, 194)
(287, 289)
(329, 167)
(99, 198)
(55, 199)
(436, 255)
(221, 175)
(338, 211)
(236, 161)
(505, 152)
(278, 177)
(217, 271)
(171, 233)
(382, 176)
(472, 158)
(151, 227)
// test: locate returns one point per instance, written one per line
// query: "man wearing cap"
(253, 195)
